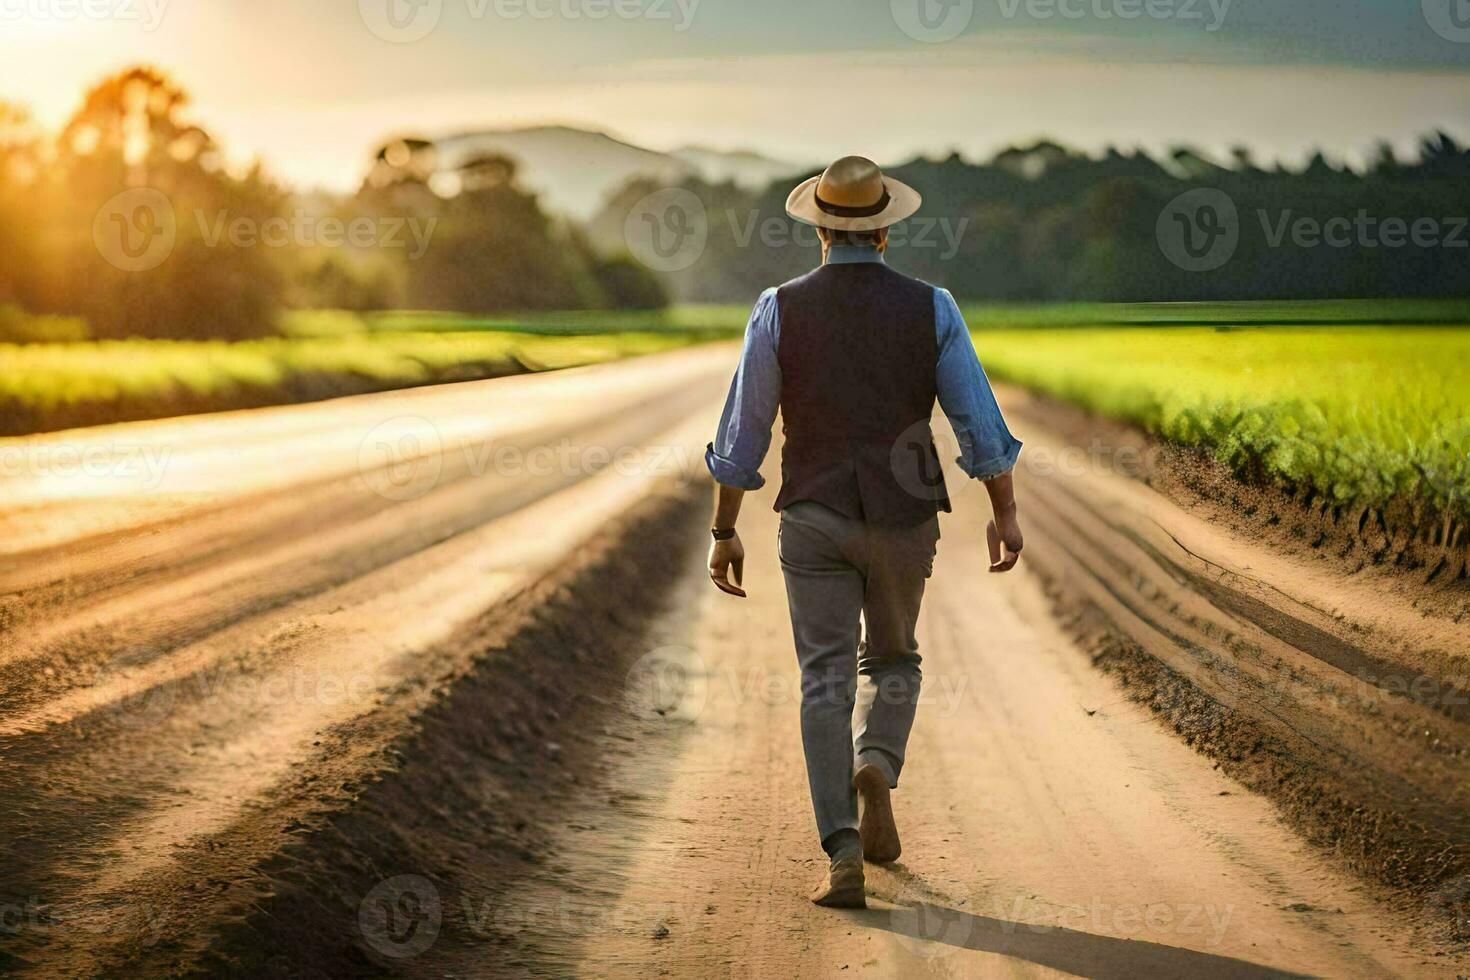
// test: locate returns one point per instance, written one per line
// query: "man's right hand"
(1005, 540)
(725, 556)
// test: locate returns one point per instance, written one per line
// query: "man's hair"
(842, 236)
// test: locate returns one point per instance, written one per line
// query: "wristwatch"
(722, 533)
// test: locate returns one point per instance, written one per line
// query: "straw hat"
(852, 195)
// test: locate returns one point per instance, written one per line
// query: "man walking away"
(855, 354)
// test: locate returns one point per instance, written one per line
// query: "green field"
(1365, 415)
(1365, 403)
(47, 374)
(1368, 403)
(60, 385)
(1253, 314)
(704, 321)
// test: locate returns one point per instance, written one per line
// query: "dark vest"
(858, 356)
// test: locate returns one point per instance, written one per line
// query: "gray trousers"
(854, 591)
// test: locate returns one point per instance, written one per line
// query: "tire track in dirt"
(144, 619)
(142, 803)
(1050, 825)
(1308, 684)
(565, 827)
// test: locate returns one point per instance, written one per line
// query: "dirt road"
(1050, 825)
(213, 628)
(305, 675)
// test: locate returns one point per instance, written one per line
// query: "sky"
(311, 87)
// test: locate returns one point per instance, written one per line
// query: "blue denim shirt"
(987, 448)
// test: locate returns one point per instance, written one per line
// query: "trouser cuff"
(842, 843)
(885, 763)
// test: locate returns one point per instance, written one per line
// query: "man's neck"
(845, 254)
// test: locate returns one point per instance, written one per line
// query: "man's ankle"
(843, 845)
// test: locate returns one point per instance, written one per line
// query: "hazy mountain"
(574, 170)
(749, 170)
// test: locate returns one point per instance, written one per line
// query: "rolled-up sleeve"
(734, 458)
(987, 448)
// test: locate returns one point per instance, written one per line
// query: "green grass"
(982, 316)
(48, 374)
(1366, 401)
(703, 321)
(1364, 414)
(20, 327)
(46, 386)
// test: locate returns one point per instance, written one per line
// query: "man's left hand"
(725, 557)
(1004, 537)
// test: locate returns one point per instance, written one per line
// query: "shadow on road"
(1079, 953)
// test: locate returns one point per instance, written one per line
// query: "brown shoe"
(877, 827)
(842, 888)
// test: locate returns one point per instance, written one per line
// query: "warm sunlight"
(314, 100)
(735, 488)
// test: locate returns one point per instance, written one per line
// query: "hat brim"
(903, 201)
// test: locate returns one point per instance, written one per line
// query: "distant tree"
(21, 205)
(1444, 157)
(1319, 168)
(406, 159)
(130, 134)
(1385, 161)
(1190, 164)
(628, 284)
(1243, 159)
(493, 247)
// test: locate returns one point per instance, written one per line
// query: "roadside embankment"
(1337, 686)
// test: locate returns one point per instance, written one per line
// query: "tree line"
(130, 222)
(1048, 223)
